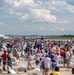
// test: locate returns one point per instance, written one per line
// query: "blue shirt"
(54, 64)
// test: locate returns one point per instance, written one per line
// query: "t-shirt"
(4, 57)
(55, 73)
(72, 47)
(49, 54)
(13, 50)
(39, 51)
(64, 55)
(24, 46)
(67, 55)
(41, 63)
(40, 45)
(8, 58)
(54, 64)
(37, 56)
(47, 62)
(0, 54)
(35, 50)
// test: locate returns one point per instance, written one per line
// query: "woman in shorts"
(29, 66)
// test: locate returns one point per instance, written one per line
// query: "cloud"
(14, 12)
(69, 28)
(62, 28)
(40, 14)
(47, 16)
(63, 6)
(24, 17)
(3, 24)
(39, 1)
(57, 28)
(23, 2)
(55, 5)
(43, 15)
(70, 8)
(19, 3)
(52, 29)
(34, 11)
(65, 29)
(59, 6)
(63, 22)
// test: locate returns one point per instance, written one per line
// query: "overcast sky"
(53, 17)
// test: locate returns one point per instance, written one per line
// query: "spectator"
(56, 72)
(4, 59)
(68, 58)
(47, 62)
(54, 64)
(9, 61)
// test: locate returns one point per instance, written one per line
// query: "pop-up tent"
(3, 36)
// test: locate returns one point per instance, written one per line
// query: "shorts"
(61, 54)
(4, 62)
(29, 63)
(9, 63)
(46, 69)
(28, 60)
(0, 60)
(64, 60)
(42, 66)
(68, 62)
(37, 61)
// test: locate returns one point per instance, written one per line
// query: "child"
(56, 72)
(37, 58)
(54, 64)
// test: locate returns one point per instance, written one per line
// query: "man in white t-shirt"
(47, 62)
(68, 58)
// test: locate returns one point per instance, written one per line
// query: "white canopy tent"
(3, 36)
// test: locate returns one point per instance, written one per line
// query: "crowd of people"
(47, 54)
